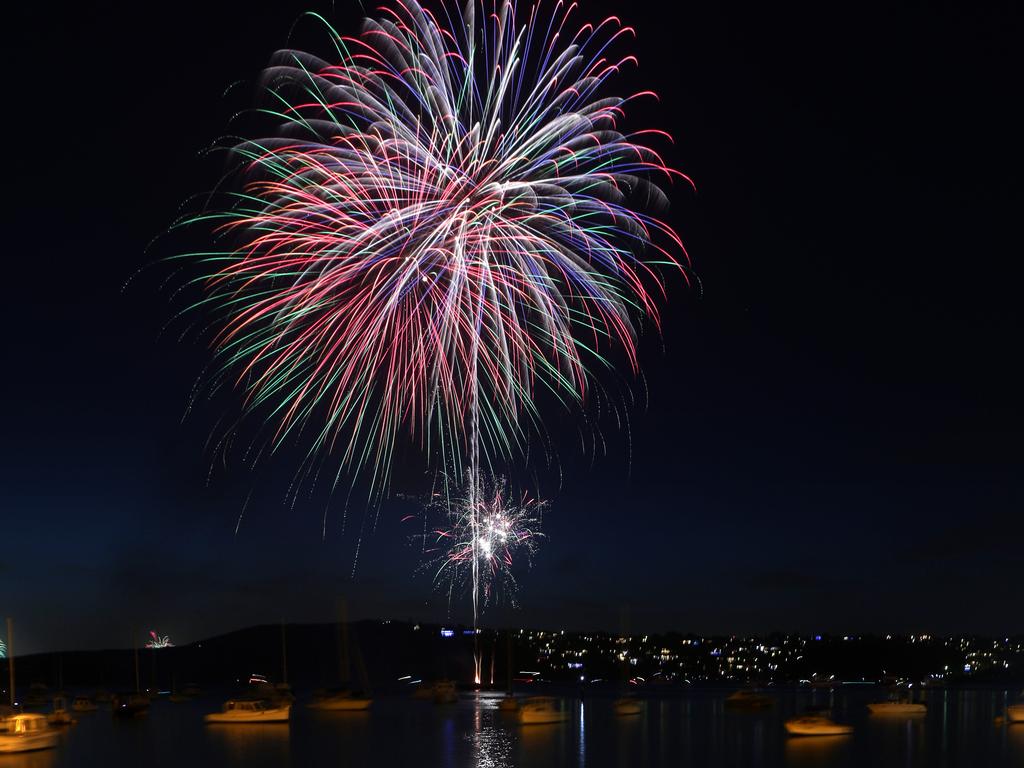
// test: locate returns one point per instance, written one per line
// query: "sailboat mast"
(10, 656)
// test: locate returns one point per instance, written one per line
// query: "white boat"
(748, 699)
(542, 709)
(244, 711)
(628, 706)
(1015, 713)
(444, 692)
(816, 725)
(27, 733)
(342, 701)
(83, 704)
(897, 708)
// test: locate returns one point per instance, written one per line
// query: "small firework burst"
(157, 641)
(486, 530)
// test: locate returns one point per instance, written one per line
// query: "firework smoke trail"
(447, 224)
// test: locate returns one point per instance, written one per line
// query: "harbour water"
(689, 729)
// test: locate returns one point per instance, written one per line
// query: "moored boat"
(27, 733)
(538, 710)
(250, 711)
(816, 725)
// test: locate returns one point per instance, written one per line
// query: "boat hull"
(542, 711)
(32, 742)
(267, 716)
(897, 708)
(816, 728)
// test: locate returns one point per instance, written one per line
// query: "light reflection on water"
(246, 742)
(582, 737)
(46, 759)
(1015, 740)
(688, 731)
(818, 750)
(492, 745)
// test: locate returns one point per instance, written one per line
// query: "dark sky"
(832, 434)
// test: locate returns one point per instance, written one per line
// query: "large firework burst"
(448, 221)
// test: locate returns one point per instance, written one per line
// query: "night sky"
(830, 438)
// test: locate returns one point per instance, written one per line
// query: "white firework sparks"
(486, 532)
